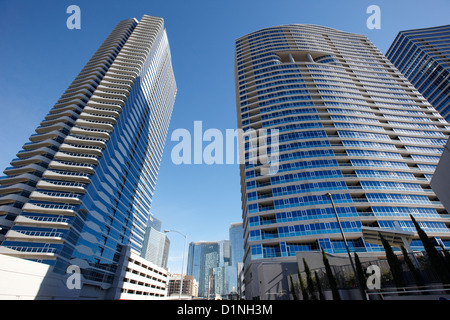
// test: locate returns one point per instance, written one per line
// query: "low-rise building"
(190, 286)
(140, 279)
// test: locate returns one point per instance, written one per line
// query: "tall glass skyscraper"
(156, 244)
(236, 234)
(423, 56)
(236, 243)
(203, 257)
(350, 124)
(81, 189)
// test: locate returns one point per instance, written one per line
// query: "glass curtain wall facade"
(423, 56)
(156, 244)
(348, 123)
(236, 233)
(203, 257)
(81, 189)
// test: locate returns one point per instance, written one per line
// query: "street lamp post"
(182, 266)
(345, 242)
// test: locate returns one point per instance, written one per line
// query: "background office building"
(156, 243)
(348, 123)
(205, 258)
(216, 264)
(79, 192)
(190, 286)
(236, 234)
(423, 57)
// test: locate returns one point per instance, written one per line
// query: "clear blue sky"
(39, 58)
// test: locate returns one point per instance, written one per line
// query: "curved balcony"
(86, 89)
(81, 149)
(39, 144)
(67, 97)
(17, 162)
(88, 75)
(69, 198)
(46, 135)
(114, 70)
(65, 186)
(23, 169)
(15, 188)
(106, 99)
(29, 252)
(20, 178)
(55, 209)
(43, 222)
(11, 198)
(126, 62)
(130, 60)
(78, 82)
(105, 105)
(84, 83)
(71, 166)
(97, 117)
(108, 93)
(95, 124)
(102, 111)
(90, 132)
(62, 114)
(75, 157)
(58, 119)
(66, 176)
(92, 142)
(121, 86)
(8, 209)
(69, 107)
(30, 153)
(57, 126)
(77, 102)
(35, 236)
(113, 77)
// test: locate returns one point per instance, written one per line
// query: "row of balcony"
(69, 142)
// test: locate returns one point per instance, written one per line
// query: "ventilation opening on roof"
(295, 56)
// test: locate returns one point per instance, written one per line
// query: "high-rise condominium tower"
(349, 124)
(423, 56)
(81, 189)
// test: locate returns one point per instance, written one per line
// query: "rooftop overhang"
(396, 238)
